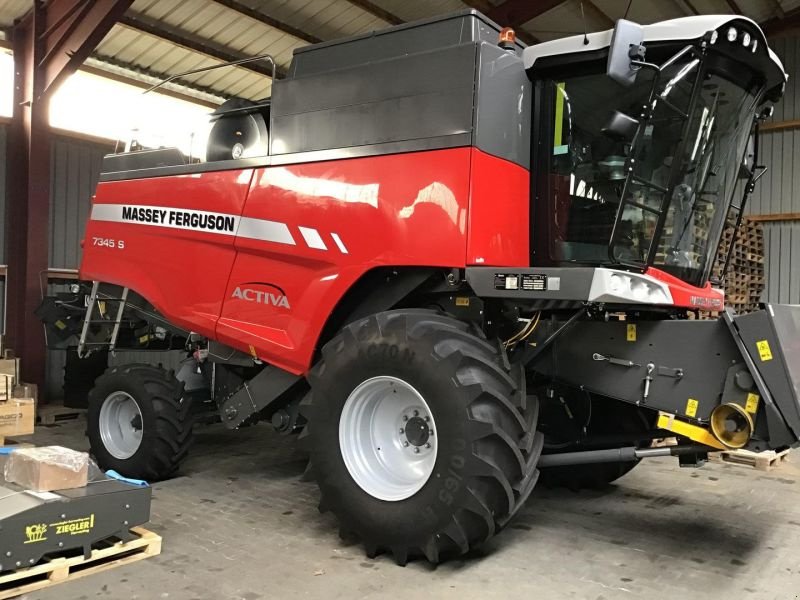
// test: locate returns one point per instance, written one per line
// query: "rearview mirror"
(626, 45)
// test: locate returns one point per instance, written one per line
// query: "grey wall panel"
(782, 241)
(778, 190)
(75, 170)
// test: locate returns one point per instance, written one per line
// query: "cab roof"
(675, 30)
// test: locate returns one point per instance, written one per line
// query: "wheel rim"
(388, 438)
(121, 426)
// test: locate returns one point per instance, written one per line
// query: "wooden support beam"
(594, 11)
(377, 11)
(734, 7)
(780, 125)
(49, 44)
(775, 217)
(115, 70)
(513, 13)
(257, 15)
(776, 6)
(789, 23)
(687, 5)
(72, 31)
(194, 43)
(486, 7)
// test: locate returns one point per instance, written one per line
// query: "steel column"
(49, 43)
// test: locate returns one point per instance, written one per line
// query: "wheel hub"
(387, 438)
(417, 431)
(136, 422)
(121, 426)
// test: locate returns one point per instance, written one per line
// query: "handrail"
(232, 63)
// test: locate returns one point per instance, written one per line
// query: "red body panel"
(183, 273)
(305, 234)
(396, 210)
(689, 296)
(499, 207)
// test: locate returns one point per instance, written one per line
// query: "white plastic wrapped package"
(47, 468)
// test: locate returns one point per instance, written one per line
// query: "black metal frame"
(700, 53)
(755, 174)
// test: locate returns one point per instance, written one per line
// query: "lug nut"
(402, 430)
(427, 445)
(405, 444)
(405, 417)
(416, 413)
(416, 450)
(427, 418)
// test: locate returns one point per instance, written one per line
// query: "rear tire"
(139, 422)
(486, 446)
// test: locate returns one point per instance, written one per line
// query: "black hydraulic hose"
(628, 454)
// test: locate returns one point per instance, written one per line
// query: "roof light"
(754, 46)
(745, 39)
(714, 36)
(732, 33)
(507, 38)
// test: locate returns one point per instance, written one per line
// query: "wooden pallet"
(12, 443)
(52, 415)
(59, 570)
(763, 461)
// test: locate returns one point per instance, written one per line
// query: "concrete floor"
(239, 524)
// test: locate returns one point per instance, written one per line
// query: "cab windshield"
(690, 153)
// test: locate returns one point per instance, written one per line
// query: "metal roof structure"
(159, 38)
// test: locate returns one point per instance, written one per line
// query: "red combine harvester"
(454, 265)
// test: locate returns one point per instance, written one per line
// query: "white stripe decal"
(313, 238)
(210, 222)
(262, 229)
(339, 242)
(164, 216)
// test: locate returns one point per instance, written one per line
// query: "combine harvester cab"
(457, 265)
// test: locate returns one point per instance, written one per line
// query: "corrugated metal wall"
(74, 171)
(778, 191)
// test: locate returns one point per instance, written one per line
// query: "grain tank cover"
(428, 85)
(410, 38)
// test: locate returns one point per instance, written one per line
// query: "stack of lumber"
(744, 282)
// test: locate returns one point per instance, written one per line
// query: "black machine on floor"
(35, 525)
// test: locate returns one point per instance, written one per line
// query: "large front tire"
(139, 422)
(402, 367)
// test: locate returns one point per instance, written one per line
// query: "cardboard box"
(10, 366)
(26, 390)
(47, 468)
(6, 387)
(17, 417)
